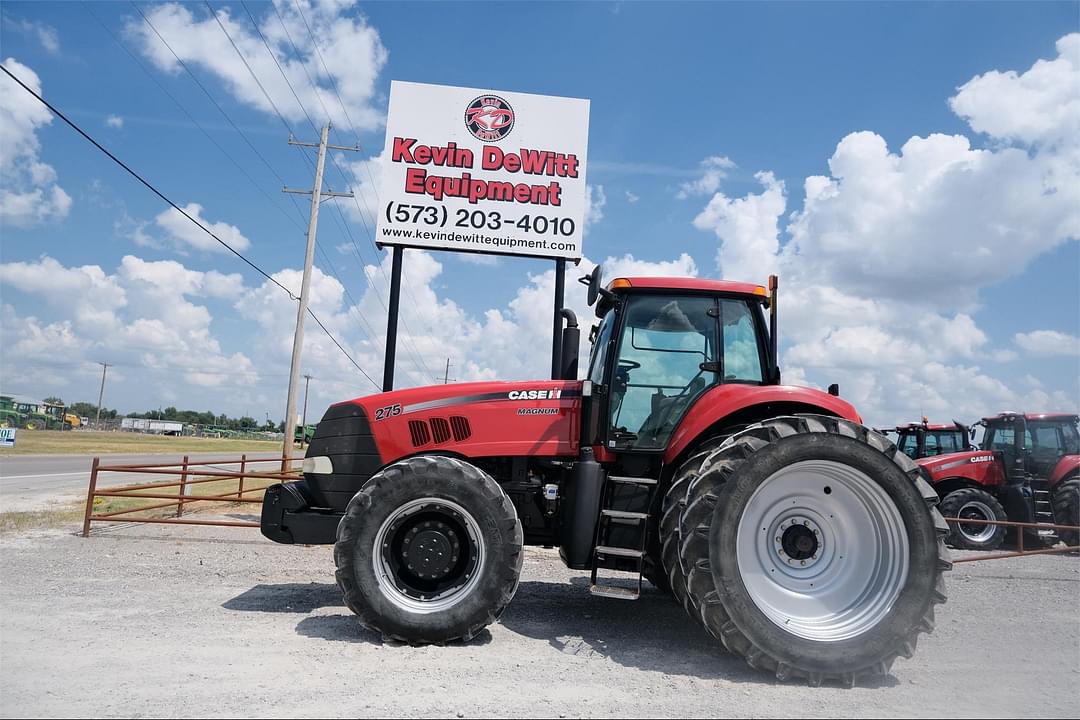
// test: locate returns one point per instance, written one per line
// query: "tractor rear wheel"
(429, 550)
(1065, 499)
(668, 532)
(813, 549)
(973, 504)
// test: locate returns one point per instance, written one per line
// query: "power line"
(210, 97)
(176, 207)
(270, 100)
(191, 117)
(410, 338)
(418, 359)
(138, 177)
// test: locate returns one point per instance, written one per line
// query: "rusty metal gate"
(180, 492)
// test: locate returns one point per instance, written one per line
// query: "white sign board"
(483, 171)
(7, 437)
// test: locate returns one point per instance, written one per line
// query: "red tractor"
(924, 439)
(802, 540)
(1027, 470)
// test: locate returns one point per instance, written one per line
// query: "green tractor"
(32, 416)
(9, 416)
(303, 434)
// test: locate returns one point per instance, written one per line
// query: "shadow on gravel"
(286, 597)
(305, 598)
(652, 633)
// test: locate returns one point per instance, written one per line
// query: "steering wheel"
(628, 364)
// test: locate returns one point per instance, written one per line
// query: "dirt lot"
(154, 621)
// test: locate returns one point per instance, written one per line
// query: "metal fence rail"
(1020, 551)
(188, 474)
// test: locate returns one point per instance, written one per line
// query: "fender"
(981, 467)
(726, 400)
(1066, 466)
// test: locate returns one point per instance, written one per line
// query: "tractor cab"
(661, 345)
(926, 439)
(1041, 448)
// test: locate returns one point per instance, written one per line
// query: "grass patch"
(21, 520)
(88, 442)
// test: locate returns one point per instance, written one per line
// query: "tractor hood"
(982, 467)
(536, 417)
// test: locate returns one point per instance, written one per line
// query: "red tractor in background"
(1026, 470)
(802, 540)
(925, 439)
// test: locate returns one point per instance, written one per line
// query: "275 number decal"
(386, 412)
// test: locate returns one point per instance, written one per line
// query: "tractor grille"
(419, 431)
(460, 427)
(438, 429)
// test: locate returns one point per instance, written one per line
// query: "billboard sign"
(7, 437)
(484, 171)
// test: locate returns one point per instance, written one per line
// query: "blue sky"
(771, 87)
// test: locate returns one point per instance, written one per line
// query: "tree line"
(190, 417)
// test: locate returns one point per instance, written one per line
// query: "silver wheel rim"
(384, 574)
(976, 510)
(843, 583)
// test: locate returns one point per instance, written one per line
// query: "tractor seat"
(666, 411)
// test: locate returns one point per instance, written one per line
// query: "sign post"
(482, 171)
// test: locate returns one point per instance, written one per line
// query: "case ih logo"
(489, 118)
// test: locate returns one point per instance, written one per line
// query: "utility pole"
(446, 375)
(303, 420)
(317, 194)
(101, 395)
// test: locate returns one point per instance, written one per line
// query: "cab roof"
(685, 283)
(1036, 417)
(925, 426)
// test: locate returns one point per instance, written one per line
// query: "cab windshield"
(671, 350)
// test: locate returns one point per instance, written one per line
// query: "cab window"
(659, 371)
(909, 445)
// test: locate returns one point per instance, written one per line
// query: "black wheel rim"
(428, 555)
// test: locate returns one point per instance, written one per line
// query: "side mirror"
(594, 284)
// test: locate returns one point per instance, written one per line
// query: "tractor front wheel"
(1065, 499)
(813, 549)
(973, 504)
(429, 551)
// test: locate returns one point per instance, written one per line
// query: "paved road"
(31, 482)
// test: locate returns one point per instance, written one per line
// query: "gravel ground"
(167, 621)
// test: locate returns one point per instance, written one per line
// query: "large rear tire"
(1065, 499)
(429, 551)
(973, 504)
(799, 514)
(668, 532)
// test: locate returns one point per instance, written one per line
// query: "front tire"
(813, 549)
(1065, 500)
(973, 504)
(429, 551)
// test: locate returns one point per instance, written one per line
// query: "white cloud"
(595, 199)
(44, 34)
(141, 317)
(631, 197)
(748, 229)
(350, 48)
(886, 257)
(114, 121)
(1039, 106)
(183, 233)
(1048, 342)
(29, 194)
(713, 170)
